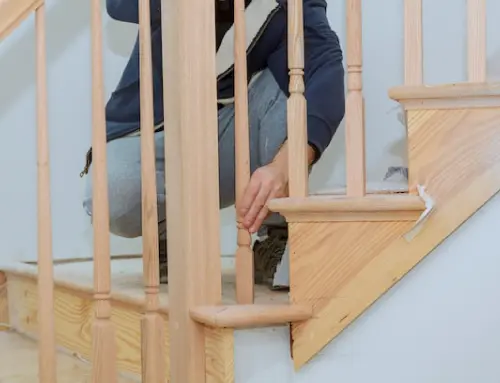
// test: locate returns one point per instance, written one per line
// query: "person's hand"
(266, 183)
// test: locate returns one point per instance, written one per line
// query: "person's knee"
(125, 226)
(124, 214)
(123, 222)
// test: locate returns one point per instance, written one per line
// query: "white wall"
(70, 114)
(447, 332)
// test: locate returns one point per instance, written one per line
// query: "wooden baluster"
(47, 342)
(244, 253)
(296, 104)
(103, 336)
(413, 59)
(476, 40)
(355, 108)
(152, 331)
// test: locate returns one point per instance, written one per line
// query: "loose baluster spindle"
(244, 254)
(47, 343)
(103, 336)
(355, 109)
(152, 331)
(296, 104)
(413, 56)
(476, 40)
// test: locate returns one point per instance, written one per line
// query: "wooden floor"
(127, 280)
(19, 363)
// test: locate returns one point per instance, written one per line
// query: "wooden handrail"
(14, 12)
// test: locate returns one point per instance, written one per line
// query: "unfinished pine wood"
(413, 43)
(14, 12)
(152, 325)
(448, 92)
(219, 348)
(296, 104)
(4, 305)
(47, 341)
(249, 316)
(191, 155)
(455, 154)
(355, 104)
(19, 363)
(74, 313)
(476, 40)
(244, 253)
(104, 347)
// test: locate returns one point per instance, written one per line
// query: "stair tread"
(455, 90)
(256, 315)
(345, 204)
(127, 284)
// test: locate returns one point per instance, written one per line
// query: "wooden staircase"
(346, 252)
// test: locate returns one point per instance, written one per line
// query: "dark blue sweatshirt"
(266, 22)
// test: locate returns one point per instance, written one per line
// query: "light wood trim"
(250, 316)
(476, 40)
(152, 325)
(104, 347)
(448, 96)
(191, 156)
(4, 303)
(413, 43)
(448, 91)
(339, 203)
(296, 103)
(14, 12)
(355, 216)
(244, 253)
(219, 349)
(47, 341)
(355, 103)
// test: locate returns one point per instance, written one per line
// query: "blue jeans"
(267, 121)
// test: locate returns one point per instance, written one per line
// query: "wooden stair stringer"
(454, 152)
(14, 12)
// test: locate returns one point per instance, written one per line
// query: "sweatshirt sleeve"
(323, 76)
(128, 10)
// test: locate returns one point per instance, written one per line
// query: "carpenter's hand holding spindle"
(268, 182)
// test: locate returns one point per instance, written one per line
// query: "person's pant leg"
(124, 186)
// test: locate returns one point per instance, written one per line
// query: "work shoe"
(268, 253)
(163, 261)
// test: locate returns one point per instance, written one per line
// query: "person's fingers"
(249, 196)
(257, 205)
(264, 212)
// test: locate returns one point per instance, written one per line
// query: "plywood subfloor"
(127, 281)
(19, 363)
